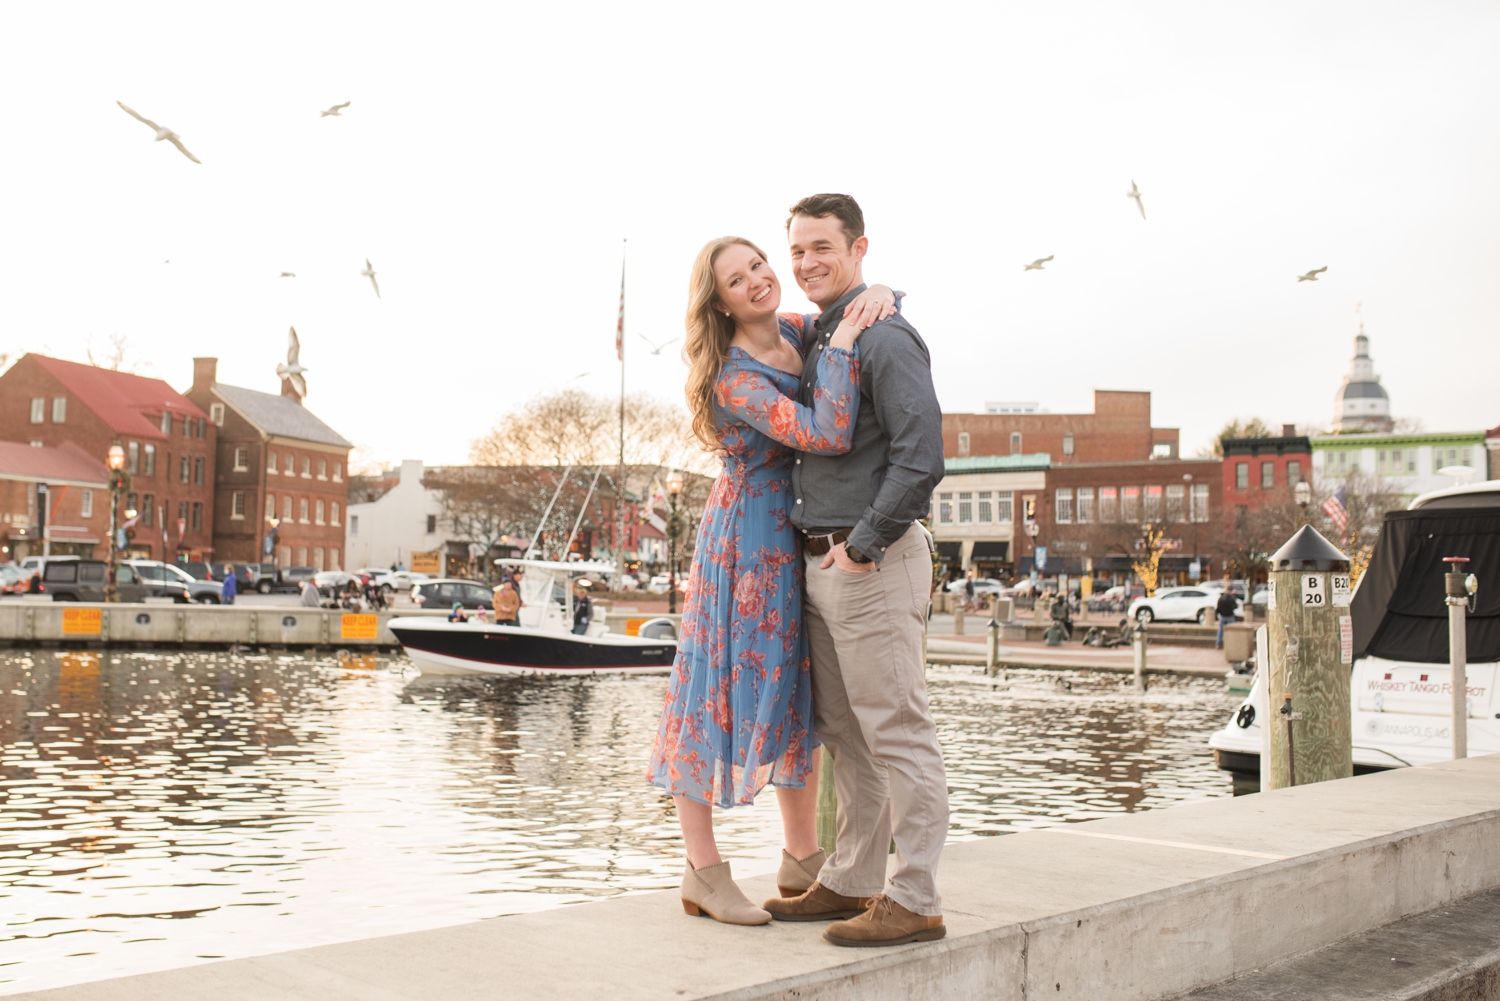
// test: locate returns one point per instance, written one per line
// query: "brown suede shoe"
(885, 923)
(819, 903)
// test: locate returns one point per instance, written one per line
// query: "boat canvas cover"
(1398, 609)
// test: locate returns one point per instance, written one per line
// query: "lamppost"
(674, 529)
(1187, 504)
(119, 482)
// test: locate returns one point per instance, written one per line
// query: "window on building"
(333, 518)
(1152, 509)
(1242, 476)
(322, 469)
(306, 467)
(1083, 506)
(216, 414)
(1130, 505)
(302, 511)
(132, 505)
(1200, 503)
(1267, 475)
(59, 410)
(241, 460)
(198, 470)
(237, 505)
(166, 422)
(271, 463)
(317, 558)
(1003, 507)
(354, 524)
(1175, 492)
(286, 509)
(963, 443)
(284, 556)
(1381, 458)
(38, 409)
(184, 469)
(197, 516)
(1068, 443)
(318, 513)
(431, 524)
(182, 516)
(338, 472)
(1063, 512)
(1411, 460)
(302, 556)
(1293, 473)
(1161, 450)
(333, 560)
(149, 467)
(187, 426)
(986, 511)
(133, 458)
(944, 507)
(203, 427)
(965, 508)
(270, 506)
(1028, 507)
(1015, 443)
(291, 465)
(148, 511)
(86, 503)
(1109, 504)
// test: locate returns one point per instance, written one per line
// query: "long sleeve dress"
(738, 710)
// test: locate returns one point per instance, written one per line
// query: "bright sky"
(494, 156)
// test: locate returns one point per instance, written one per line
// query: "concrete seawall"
(1135, 907)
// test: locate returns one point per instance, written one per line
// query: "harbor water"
(163, 809)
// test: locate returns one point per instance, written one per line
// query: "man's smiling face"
(824, 263)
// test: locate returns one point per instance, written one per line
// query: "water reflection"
(163, 809)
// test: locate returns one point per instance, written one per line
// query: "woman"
(738, 711)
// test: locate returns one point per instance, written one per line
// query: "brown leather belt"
(818, 545)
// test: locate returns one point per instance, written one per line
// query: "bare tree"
(577, 428)
(1254, 427)
(118, 358)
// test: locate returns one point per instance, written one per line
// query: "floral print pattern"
(738, 710)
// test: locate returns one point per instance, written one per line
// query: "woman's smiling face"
(747, 286)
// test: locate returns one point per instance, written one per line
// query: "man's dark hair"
(842, 207)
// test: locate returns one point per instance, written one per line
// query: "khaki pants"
(870, 710)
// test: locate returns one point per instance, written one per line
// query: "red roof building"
(53, 501)
(168, 441)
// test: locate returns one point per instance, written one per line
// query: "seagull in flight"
(1135, 193)
(286, 274)
(162, 133)
(1037, 265)
(1312, 275)
(291, 370)
(656, 349)
(334, 111)
(369, 272)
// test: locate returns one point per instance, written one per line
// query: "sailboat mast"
(620, 479)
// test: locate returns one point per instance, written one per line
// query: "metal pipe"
(1139, 642)
(1291, 747)
(1457, 599)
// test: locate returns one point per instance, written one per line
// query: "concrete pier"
(1134, 907)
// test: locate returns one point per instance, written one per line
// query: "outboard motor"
(658, 629)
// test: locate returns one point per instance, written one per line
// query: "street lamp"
(119, 482)
(1187, 504)
(674, 529)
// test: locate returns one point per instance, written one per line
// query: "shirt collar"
(834, 315)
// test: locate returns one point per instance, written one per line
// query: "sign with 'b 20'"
(1325, 590)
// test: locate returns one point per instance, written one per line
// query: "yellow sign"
(83, 621)
(427, 562)
(633, 626)
(359, 627)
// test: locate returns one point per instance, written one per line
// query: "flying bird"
(369, 272)
(1135, 193)
(1312, 275)
(162, 133)
(656, 349)
(286, 274)
(291, 370)
(1036, 265)
(334, 111)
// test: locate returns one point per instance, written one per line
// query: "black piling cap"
(1307, 550)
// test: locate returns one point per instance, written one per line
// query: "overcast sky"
(494, 156)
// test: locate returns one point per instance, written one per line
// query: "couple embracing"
(809, 588)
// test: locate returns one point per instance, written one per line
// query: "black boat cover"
(1398, 608)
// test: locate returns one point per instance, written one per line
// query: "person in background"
(1225, 609)
(457, 615)
(583, 608)
(507, 605)
(230, 587)
(34, 586)
(310, 596)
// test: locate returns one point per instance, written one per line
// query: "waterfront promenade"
(1141, 907)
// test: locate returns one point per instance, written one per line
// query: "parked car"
(261, 577)
(1176, 604)
(391, 581)
(205, 592)
(660, 584)
(12, 581)
(32, 564)
(332, 581)
(443, 592)
(83, 580)
(982, 585)
(294, 576)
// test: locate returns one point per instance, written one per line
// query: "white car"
(660, 584)
(982, 585)
(1176, 604)
(331, 579)
(393, 580)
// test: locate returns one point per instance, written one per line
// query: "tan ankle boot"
(712, 891)
(796, 876)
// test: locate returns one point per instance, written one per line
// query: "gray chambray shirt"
(885, 482)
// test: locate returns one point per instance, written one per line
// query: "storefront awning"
(950, 550)
(996, 551)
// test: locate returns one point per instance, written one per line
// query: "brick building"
(168, 442)
(280, 475)
(53, 501)
(1257, 470)
(979, 511)
(1119, 430)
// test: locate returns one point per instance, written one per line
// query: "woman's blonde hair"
(709, 331)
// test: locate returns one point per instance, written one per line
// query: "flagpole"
(620, 481)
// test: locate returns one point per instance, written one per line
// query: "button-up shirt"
(885, 482)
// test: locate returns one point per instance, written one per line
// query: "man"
(310, 596)
(507, 605)
(869, 579)
(230, 587)
(583, 608)
(1225, 608)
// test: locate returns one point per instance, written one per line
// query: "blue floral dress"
(738, 710)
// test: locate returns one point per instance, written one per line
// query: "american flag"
(620, 324)
(1335, 509)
